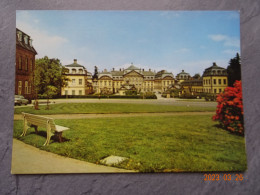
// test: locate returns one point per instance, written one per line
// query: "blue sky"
(170, 40)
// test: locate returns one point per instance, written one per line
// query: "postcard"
(127, 92)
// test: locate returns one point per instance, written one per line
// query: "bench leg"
(59, 135)
(25, 126)
(48, 135)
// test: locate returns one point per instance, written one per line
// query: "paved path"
(82, 116)
(27, 159)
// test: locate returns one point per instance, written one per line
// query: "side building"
(78, 83)
(215, 79)
(25, 65)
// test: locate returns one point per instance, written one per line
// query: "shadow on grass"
(53, 138)
(232, 133)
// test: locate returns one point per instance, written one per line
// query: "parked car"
(17, 100)
(20, 100)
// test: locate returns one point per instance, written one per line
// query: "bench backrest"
(39, 120)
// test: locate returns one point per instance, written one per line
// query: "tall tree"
(49, 77)
(234, 70)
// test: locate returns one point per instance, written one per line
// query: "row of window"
(215, 90)
(207, 81)
(73, 81)
(28, 64)
(73, 92)
(27, 88)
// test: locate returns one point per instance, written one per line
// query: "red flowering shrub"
(230, 109)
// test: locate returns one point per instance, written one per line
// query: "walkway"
(27, 159)
(82, 116)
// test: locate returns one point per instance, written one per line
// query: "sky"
(156, 40)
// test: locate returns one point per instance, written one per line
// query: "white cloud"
(182, 50)
(43, 42)
(228, 41)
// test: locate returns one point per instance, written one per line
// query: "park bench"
(31, 120)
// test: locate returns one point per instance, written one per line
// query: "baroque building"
(214, 80)
(25, 65)
(115, 81)
(79, 80)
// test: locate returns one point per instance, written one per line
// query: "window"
(219, 90)
(30, 88)
(20, 63)
(73, 81)
(225, 81)
(73, 92)
(214, 81)
(80, 92)
(31, 65)
(26, 64)
(215, 90)
(66, 92)
(20, 85)
(80, 71)
(219, 81)
(209, 81)
(73, 71)
(26, 87)
(80, 81)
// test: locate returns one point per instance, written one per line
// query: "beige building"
(142, 80)
(78, 83)
(215, 79)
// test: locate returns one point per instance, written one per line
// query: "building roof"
(215, 70)
(21, 42)
(194, 82)
(132, 67)
(75, 64)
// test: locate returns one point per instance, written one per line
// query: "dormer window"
(19, 34)
(26, 40)
(30, 42)
(73, 71)
(80, 71)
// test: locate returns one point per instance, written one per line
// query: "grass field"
(81, 108)
(152, 144)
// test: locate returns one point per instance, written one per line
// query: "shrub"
(230, 109)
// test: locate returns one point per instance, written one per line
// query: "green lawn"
(81, 108)
(152, 144)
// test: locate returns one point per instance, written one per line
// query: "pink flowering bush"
(230, 109)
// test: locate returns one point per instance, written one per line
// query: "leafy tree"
(234, 70)
(196, 76)
(49, 78)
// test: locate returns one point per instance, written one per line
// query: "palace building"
(81, 82)
(116, 81)
(25, 65)
(79, 78)
(214, 80)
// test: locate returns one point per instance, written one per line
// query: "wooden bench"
(41, 121)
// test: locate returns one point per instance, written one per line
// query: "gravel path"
(82, 116)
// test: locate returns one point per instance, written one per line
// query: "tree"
(234, 70)
(196, 76)
(49, 78)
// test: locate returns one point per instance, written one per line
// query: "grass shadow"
(53, 137)
(232, 133)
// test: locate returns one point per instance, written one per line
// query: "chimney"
(113, 69)
(75, 61)
(120, 69)
(149, 69)
(182, 71)
(143, 70)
